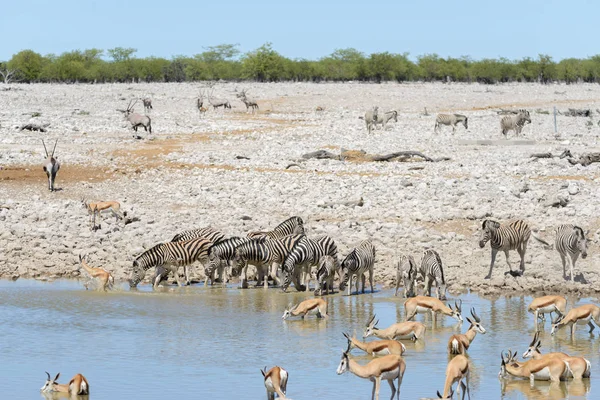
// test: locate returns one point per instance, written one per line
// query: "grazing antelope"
(547, 305)
(105, 278)
(578, 366)
(544, 369)
(304, 307)
(250, 103)
(377, 347)
(456, 371)
(114, 207)
(216, 103)
(401, 330)
(406, 270)
(423, 304)
(51, 166)
(386, 368)
(459, 344)
(77, 385)
(581, 315)
(275, 381)
(147, 104)
(136, 120)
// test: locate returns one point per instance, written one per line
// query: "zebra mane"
(145, 256)
(352, 254)
(491, 224)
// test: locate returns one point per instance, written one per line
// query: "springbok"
(547, 305)
(250, 103)
(147, 104)
(105, 278)
(77, 385)
(275, 381)
(136, 120)
(377, 347)
(400, 330)
(579, 367)
(544, 369)
(581, 315)
(456, 371)
(51, 166)
(459, 344)
(114, 207)
(388, 368)
(423, 304)
(304, 307)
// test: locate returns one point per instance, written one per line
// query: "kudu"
(51, 166)
(250, 103)
(136, 120)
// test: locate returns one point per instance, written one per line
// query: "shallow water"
(185, 343)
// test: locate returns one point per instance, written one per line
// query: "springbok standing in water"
(51, 166)
(275, 381)
(77, 385)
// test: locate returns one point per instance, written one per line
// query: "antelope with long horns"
(456, 371)
(275, 382)
(423, 304)
(136, 120)
(401, 330)
(77, 385)
(51, 166)
(544, 369)
(579, 366)
(547, 305)
(377, 347)
(581, 315)
(459, 344)
(114, 207)
(388, 368)
(105, 278)
(318, 304)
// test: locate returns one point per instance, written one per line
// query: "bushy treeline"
(265, 65)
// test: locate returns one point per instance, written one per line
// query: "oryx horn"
(53, 149)
(46, 150)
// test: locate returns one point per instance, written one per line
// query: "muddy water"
(210, 343)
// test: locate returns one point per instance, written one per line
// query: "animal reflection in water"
(544, 390)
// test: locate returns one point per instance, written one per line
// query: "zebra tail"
(539, 239)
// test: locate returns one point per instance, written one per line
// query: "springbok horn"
(371, 320)
(535, 338)
(48, 375)
(46, 150)
(474, 314)
(54, 148)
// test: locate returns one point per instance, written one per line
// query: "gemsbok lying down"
(77, 385)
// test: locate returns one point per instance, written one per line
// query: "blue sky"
(305, 29)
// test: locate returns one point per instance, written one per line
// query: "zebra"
(450, 119)
(514, 122)
(431, 270)
(220, 254)
(571, 241)
(370, 118)
(325, 274)
(169, 256)
(359, 261)
(262, 253)
(512, 236)
(385, 118)
(291, 226)
(305, 254)
(406, 271)
(208, 233)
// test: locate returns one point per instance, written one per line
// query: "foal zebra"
(570, 241)
(385, 118)
(170, 256)
(359, 261)
(219, 255)
(406, 271)
(449, 119)
(431, 271)
(291, 226)
(325, 274)
(514, 122)
(302, 257)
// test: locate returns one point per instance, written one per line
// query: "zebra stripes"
(514, 122)
(571, 242)
(208, 233)
(219, 255)
(449, 119)
(171, 256)
(359, 261)
(291, 226)
(325, 274)
(305, 254)
(406, 272)
(513, 236)
(431, 270)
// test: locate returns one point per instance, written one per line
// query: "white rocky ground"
(186, 174)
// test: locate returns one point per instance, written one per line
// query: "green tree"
(29, 65)
(263, 64)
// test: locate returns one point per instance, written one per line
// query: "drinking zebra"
(513, 236)
(406, 272)
(168, 256)
(325, 274)
(570, 241)
(306, 253)
(431, 270)
(262, 254)
(291, 226)
(449, 119)
(359, 261)
(221, 255)
(514, 122)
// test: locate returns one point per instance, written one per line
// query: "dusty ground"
(187, 174)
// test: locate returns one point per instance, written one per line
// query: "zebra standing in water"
(570, 241)
(514, 122)
(325, 275)
(406, 272)
(171, 256)
(220, 255)
(304, 255)
(431, 270)
(291, 226)
(359, 261)
(450, 119)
